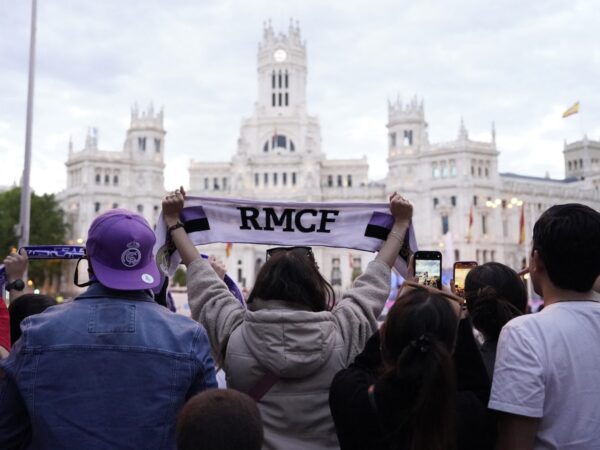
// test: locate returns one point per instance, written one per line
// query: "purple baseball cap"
(119, 246)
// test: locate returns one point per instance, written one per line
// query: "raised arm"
(211, 302)
(356, 315)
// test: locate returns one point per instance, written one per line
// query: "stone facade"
(99, 180)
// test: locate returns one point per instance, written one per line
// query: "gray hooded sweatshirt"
(303, 349)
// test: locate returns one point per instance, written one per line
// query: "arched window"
(286, 99)
(98, 178)
(286, 79)
(279, 141)
(273, 80)
(280, 82)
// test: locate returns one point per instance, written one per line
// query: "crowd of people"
(305, 368)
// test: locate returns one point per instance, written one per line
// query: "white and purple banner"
(360, 226)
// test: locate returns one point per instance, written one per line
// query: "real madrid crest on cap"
(132, 256)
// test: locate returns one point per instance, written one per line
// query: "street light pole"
(24, 215)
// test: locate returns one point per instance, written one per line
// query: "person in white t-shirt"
(546, 384)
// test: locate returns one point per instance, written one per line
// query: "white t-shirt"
(548, 366)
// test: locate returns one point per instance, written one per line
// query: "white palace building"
(463, 206)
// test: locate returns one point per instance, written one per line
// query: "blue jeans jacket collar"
(97, 290)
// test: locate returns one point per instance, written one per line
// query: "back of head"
(23, 307)
(220, 419)
(494, 294)
(293, 276)
(567, 239)
(417, 343)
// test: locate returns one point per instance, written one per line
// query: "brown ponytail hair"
(417, 343)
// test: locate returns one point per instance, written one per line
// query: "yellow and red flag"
(522, 226)
(470, 228)
(228, 249)
(572, 110)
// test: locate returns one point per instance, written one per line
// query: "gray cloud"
(518, 63)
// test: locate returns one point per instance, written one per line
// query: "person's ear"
(536, 264)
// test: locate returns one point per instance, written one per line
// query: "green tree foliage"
(180, 276)
(47, 226)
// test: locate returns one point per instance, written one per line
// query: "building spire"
(494, 132)
(463, 135)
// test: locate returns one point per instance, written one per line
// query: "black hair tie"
(422, 343)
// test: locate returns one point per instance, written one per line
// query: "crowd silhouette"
(305, 367)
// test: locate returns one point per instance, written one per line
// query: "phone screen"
(429, 272)
(460, 274)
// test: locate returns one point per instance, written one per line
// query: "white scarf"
(360, 226)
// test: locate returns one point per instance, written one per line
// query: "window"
(292, 148)
(487, 172)
(140, 209)
(472, 170)
(266, 179)
(266, 147)
(503, 204)
(336, 272)
(206, 183)
(453, 200)
(286, 99)
(484, 225)
(216, 184)
(445, 224)
(142, 143)
(273, 80)
(349, 180)
(157, 145)
(279, 141)
(456, 255)
(392, 139)
(273, 97)
(98, 178)
(408, 137)
(107, 179)
(435, 202)
(329, 180)
(444, 170)
(581, 163)
(284, 178)
(485, 254)
(477, 254)
(474, 200)
(96, 206)
(339, 181)
(116, 180)
(479, 171)
(256, 179)
(452, 168)
(294, 178)
(286, 79)
(224, 183)
(275, 179)
(280, 99)
(115, 205)
(492, 255)
(280, 83)
(435, 171)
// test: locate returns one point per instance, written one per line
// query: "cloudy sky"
(518, 63)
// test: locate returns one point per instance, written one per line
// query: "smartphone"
(428, 268)
(461, 269)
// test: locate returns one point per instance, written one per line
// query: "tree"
(47, 226)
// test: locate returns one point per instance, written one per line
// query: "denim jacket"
(110, 370)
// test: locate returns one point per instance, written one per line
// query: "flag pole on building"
(24, 216)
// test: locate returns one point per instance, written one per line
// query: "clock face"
(280, 55)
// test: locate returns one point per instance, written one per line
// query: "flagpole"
(25, 210)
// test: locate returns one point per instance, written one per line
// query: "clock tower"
(282, 72)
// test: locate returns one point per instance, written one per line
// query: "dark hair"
(494, 294)
(23, 307)
(567, 238)
(417, 343)
(293, 276)
(220, 419)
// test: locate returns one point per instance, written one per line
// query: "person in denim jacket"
(112, 369)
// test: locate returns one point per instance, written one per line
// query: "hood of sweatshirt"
(287, 340)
